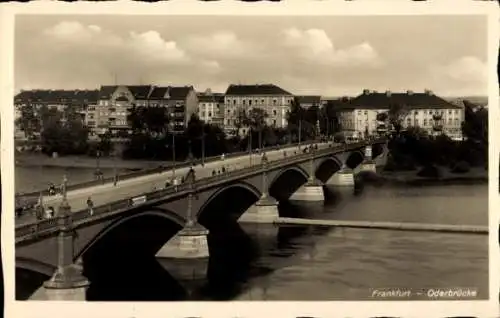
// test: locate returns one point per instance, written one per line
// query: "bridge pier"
(67, 283)
(186, 255)
(312, 191)
(266, 209)
(368, 163)
(342, 178)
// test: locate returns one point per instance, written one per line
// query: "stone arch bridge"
(56, 245)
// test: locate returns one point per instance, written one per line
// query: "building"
(182, 103)
(274, 100)
(359, 115)
(211, 108)
(308, 101)
(114, 101)
(78, 100)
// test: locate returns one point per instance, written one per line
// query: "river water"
(318, 263)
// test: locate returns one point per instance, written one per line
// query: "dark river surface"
(265, 262)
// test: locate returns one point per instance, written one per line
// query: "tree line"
(151, 135)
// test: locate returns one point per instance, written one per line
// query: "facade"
(274, 100)
(211, 108)
(359, 115)
(110, 113)
(79, 100)
(182, 103)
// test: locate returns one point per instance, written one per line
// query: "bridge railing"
(41, 226)
(145, 172)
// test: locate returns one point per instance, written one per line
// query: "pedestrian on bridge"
(90, 205)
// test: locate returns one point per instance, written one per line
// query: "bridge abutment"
(68, 282)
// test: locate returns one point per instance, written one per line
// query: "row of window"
(426, 122)
(416, 112)
(256, 101)
(232, 122)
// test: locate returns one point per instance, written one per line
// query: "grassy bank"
(474, 176)
(40, 160)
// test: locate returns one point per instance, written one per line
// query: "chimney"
(429, 92)
(409, 92)
(388, 93)
(366, 91)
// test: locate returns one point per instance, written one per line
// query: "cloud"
(465, 69)
(72, 31)
(315, 45)
(148, 46)
(151, 46)
(211, 66)
(219, 44)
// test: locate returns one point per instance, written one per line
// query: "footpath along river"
(265, 262)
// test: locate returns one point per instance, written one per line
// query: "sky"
(329, 56)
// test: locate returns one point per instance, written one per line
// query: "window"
(262, 101)
(456, 121)
(209, 114)
(449, 121)
(234, 102)
(275, 112)
(425, 122)
(408, 121)
(250, 102)
(359, 112)
(244, 102)
(416, 113)
(274, 122)
(449, 112)
(203, 114)
(416, 121)
(366, 112)
(274, 101)
(456, 112)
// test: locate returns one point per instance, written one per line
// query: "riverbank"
(474, 175)
(41, 160)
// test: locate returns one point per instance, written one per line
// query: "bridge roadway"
(107, 193)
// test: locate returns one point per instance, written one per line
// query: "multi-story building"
(110, 113)
(424, 110)
(78, 100)
(274, 100)
(308, 101)
(211, 108)
(182, 103)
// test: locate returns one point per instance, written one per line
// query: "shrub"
(461, 167)
(429, 172)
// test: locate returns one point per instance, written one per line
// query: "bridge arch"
(227, 203)
(327, 167)
(286, 182)
(35, 266)
(174, 219)
(355, 158)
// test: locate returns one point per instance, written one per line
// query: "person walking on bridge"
(90, 205)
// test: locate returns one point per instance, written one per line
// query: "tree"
(28, 122)
(397, 113)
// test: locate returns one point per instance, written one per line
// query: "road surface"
(107, 193)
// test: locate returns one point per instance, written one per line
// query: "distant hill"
(479, 100)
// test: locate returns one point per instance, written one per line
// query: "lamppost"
(300, 131)
(190, 152)
(250, 144)
(115, 170)
(97, 165)
(203, 147)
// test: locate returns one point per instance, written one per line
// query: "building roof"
(309, 99)
(206, 98)
(258, 89)
(180, 92)
(106, 91)
(158, 92)
(140, 91)
(58, 96)
(375, 100)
